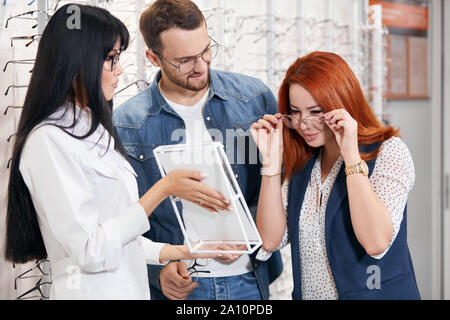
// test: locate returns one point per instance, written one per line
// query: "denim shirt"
(234, 102)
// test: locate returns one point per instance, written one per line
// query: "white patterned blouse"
(392, 179)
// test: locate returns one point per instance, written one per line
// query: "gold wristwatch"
(358, 168)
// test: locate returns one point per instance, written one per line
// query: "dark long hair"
(68, 66)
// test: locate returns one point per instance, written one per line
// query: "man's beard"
(184, 81)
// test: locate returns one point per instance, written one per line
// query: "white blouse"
(85, 197)
(392, 179)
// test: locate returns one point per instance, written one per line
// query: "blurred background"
(397, 49)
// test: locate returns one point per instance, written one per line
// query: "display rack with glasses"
(22, 23)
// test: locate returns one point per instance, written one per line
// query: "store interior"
(402, 67)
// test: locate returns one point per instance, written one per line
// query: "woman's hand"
(187, 184)
(181, 252)
(223, 256)
(345, 130)
(268, 136)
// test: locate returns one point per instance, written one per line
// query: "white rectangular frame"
(236, 198)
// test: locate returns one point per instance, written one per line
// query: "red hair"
(333, 85)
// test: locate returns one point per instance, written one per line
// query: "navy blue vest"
(352, 268)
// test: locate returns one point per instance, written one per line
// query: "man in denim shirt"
(204, 105)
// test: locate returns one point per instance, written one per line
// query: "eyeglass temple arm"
(6, 65)
(13, 86)
(133, 83)
(25, 13)
(28, 43)
(14, 107)
(36, 287)
(24, 61)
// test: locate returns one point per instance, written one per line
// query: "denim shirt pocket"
(242, 128)
(140, 152)
(245, 159)
(143, 161)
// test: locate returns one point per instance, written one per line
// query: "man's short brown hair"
(163, 15)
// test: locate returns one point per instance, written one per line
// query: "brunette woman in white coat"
(72, 196)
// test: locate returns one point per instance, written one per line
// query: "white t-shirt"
(196, 133)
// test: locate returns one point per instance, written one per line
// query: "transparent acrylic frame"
(223, 222)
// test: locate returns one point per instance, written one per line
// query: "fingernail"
(204, 175)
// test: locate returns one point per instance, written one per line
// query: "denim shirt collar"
(216, 88)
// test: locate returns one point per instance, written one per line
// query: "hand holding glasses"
(293, 121)
(194, 272)
(267, 133)
(268, 136)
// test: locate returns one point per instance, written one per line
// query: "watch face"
(365, 168)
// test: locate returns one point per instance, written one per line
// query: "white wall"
(414, 119)
(15, 74)
(420, 124)
(446, 152)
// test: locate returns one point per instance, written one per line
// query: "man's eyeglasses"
(187, 65)
(112, 61)
(194, 273)
(311, 122)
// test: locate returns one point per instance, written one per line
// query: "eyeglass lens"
(111, 61)
(207, 56)
(312, 122)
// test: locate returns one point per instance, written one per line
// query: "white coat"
(85, 196)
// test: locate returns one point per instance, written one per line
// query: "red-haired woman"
(342, 203)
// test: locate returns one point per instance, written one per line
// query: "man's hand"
(176, 284)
